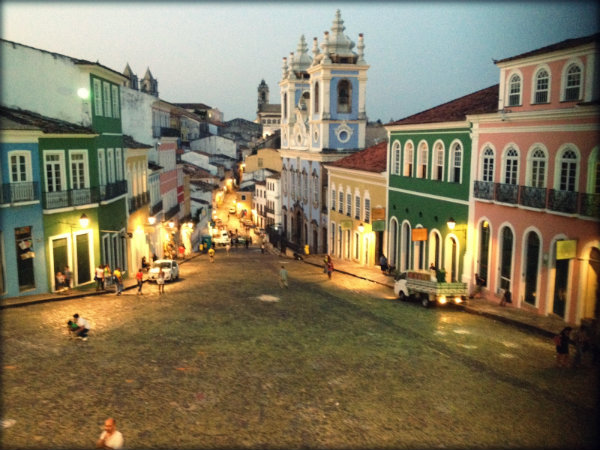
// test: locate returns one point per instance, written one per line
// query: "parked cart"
(421, 286)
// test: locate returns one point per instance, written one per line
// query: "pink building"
(536, 196)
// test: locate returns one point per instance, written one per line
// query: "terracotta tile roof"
(569, 43)
(129, 142)
(372, 159)
(480, 102)
(20, 119)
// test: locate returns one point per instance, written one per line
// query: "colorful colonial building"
(323, 119)
(357, 192)
(535, 206)
(429, 178)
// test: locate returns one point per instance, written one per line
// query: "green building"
(429, 186)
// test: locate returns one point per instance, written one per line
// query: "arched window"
(514, 93)
(396, 158)
(542, 86)
(537, 168)
(456, 163)
(408, 159)
(568, 162)
(344, 97)
(284, 180)
(315, 185)
(438, 162)
(487, 171)
(422, 160)
(573, 85)
(316, 100)
(511, 166)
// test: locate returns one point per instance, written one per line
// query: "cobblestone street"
(228, 359)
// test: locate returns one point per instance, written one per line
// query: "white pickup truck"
(222, 238)
(421, 286)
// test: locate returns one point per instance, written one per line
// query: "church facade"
(323, 119)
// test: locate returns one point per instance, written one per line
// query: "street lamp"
(84, 221)
(151, 220)
(361, 228)
(451, 223)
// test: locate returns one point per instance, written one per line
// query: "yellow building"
(265, 158)
(357, 195)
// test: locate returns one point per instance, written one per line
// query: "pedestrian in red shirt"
(139, 276)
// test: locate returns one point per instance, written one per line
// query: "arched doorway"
(298, 229)
(561, 283)
(532, 258)
(451, 259)
(506, 252)
(406, 242)
(393, 239)
(591, 300)
(484, 251)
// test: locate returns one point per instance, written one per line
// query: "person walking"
(139, 276)
(329, 267)
(506, 298)
(107, 276)
(99, 277)
(118, 280)
(283, 278)
(561, 340)
(110, 438)
(227, 248)
(211, 254)
(160, 281)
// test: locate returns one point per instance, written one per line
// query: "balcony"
(567, 202)
(156, 208)
(138, 201)
(78, 197)
(19, 192)
(172, 212)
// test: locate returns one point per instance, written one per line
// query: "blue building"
(323, 119)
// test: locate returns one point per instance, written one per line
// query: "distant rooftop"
(20, 119)
(371, 159)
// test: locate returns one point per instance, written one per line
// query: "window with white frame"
(119, 164)
(422, 160)
(54, 169)
(305, 184)
(487, 172)
(333, 198)
(101, 167)
(110, 163)
(367, 210)
(456, 163)
(344, 97)
(20, 166)
(408, 159)
(537, 168)
(568, 164)
(348, 203)
(97, 97)
(514, 92)
(341, 201)
(396, 158)
(79, 169)
(542, 86)
(315, 189)
(115, 101)
(107, 102)
(511, 166)
(438, 162)
(357, 206)
(573, 84)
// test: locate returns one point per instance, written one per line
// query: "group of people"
(105, 278)
(63, 280)
(584, 338)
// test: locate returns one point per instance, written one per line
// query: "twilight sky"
(421, 54)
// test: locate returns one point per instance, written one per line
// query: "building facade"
(357, 192)
(323, 119)
(536, 190)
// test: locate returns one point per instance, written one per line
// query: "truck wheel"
(425, 301)
(402, 296)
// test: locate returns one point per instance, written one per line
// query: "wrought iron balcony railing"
(172, 212)
(138, 201)
(19, 192)
(568, 202)
(78, 197)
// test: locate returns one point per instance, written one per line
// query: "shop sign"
(566, 249)
(378, 225)
(419, 234)
(378, 213)
(346, 224)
